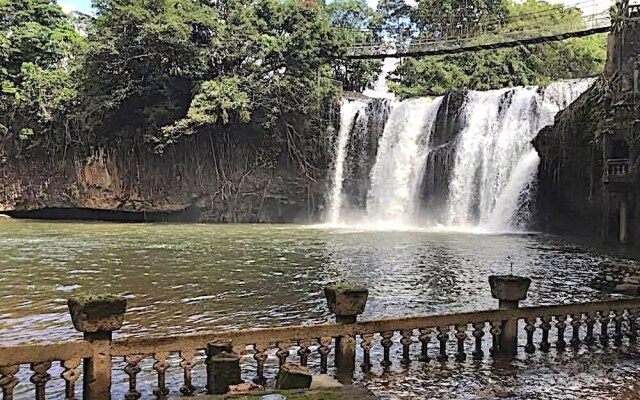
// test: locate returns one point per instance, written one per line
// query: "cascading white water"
(492, 177)
(349, 111)
(400, 160)
(380, 89)
(495, 163)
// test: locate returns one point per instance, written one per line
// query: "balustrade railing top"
(586, 324)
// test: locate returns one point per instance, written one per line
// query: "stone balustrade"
(341, 347)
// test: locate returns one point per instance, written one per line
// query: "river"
(192, 277)
(185, 278)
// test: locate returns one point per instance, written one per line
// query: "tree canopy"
(149, 72)
(492, 69)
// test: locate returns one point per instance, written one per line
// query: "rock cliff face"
(571, 191)
(203, 178)
(570, 172)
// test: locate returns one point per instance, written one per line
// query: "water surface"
(186, 278)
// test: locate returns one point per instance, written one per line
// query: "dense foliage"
(149, 72)
(155, 70)
(491, 69)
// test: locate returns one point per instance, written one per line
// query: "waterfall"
(469, 164)
(380, 89)
(495, 163)
(349, 111)
(400, 161)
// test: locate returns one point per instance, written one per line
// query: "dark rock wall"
(435, 183)
(217, 177)
(570, 195)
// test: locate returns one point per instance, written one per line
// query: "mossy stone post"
(509, 290)
(97, 317)
(346, 301)
(223, 367)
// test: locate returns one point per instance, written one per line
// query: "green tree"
(37, 46)
(454, 17)
(351, 20)
(523, 65)
(392, 20)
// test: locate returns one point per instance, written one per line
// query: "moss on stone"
(346, 287)
(83, 298)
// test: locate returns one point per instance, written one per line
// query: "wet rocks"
(627, 289)
(612, 275)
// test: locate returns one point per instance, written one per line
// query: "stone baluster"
(132, 369)
(478, 334)
(187, 364)
(8, 380)
(561, 326)
(424, 338)
(282, 353)
(443, 337)
(619, 318)
(545, 346)
(509, 290)
(367, 345)
(160, 366)
(604, 328)
(632, 316)
(495, 332)
(576, 321)
(261, 357)
(70, 375)
(406, 342)
(304, 351)
(589, 339)
(530, 328)
(40, 378)
(461, 336)
(346, 302)
(386, 348)
(324, 349)
(97, 318)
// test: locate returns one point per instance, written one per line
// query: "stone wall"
(618, 276)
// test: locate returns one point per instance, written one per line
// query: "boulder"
(627, 289)
(633, 279)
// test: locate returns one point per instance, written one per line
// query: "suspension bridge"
(457, 37)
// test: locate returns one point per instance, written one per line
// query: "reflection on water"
(184, 278)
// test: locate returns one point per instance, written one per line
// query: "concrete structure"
(473, 332)
(621, 202)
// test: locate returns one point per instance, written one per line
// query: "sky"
(588, 6)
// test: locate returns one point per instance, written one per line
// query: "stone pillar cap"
(509, 287)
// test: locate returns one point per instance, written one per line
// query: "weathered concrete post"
(346, 302)
(624, 217)
(223, 367)
(509, 290)
(97, 317)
